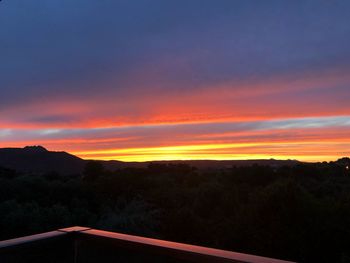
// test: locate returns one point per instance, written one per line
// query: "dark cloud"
(67, 45)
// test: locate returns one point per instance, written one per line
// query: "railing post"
(73, 231)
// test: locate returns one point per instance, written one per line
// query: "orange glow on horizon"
(306, 151)
(223, 141)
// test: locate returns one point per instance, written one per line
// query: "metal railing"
(81, 244)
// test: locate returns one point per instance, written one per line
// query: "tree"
(93, 170)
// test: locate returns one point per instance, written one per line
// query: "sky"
(187, 79)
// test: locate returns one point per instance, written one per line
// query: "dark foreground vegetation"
(300, 212)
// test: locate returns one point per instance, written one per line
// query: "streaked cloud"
(302, 138)
(5, 133)
(183, 79)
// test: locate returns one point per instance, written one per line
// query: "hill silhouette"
(37, 159)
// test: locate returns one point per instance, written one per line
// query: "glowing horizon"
(304, 139)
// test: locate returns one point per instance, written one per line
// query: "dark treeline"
(298, 213)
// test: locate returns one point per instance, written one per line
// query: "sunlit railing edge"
(174, 250)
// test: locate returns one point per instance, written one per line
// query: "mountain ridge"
(37, 159)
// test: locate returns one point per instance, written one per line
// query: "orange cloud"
(317, 94)
(193, 123)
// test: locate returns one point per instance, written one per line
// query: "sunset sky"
(187, 79)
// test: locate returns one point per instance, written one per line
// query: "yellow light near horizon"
(145, 158)
(229, 151)
(169, 148)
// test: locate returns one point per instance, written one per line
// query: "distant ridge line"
(37, 159)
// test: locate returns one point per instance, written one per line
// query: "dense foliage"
(298, 213)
